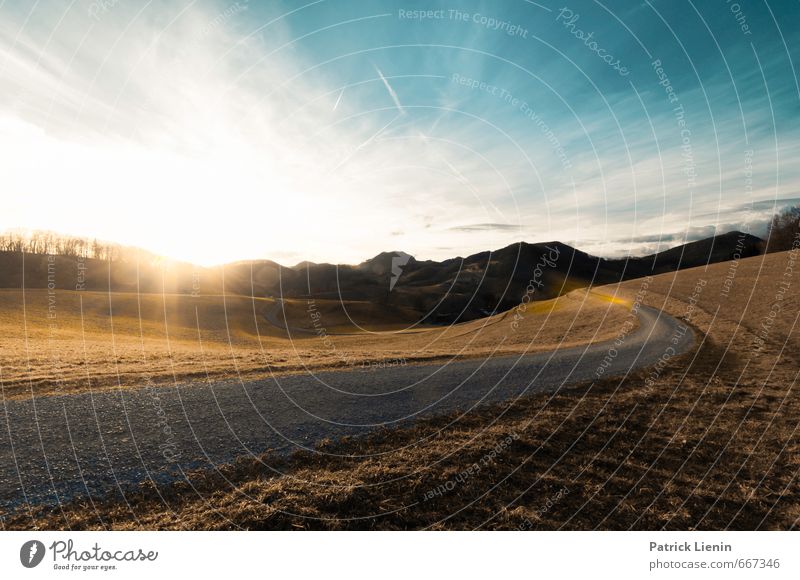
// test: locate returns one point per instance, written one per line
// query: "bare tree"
(46, 242)
(784, 230)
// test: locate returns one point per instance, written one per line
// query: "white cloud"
(156, 129)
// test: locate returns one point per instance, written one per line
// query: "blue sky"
(332, 130)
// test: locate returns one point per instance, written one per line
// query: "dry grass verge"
(713, 445)
(80, 341)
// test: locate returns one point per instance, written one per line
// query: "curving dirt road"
(57, 448)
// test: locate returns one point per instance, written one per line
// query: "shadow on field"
(691, 452)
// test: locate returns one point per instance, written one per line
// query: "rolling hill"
(457, 289)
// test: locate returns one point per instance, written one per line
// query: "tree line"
(784, 230)
(45, 242)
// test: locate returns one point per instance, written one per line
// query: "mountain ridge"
(460, 288)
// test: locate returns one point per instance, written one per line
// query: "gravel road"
(53, 449)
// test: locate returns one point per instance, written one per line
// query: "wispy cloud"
(267, 131)
(391, 91)
(486, 228)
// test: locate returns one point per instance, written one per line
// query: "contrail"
(460, 176)
(367, 142)
(337, 100)
(391, 90)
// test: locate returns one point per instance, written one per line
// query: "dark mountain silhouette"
(706, 251)
(454, 289)
(488, 282)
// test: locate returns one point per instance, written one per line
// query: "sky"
(332, 130)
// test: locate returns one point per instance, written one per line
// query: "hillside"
(72, 341)
(461, 289)
(428, 292)
(712, 443)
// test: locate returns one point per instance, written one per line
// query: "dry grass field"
(709, 441)
(76, 341)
